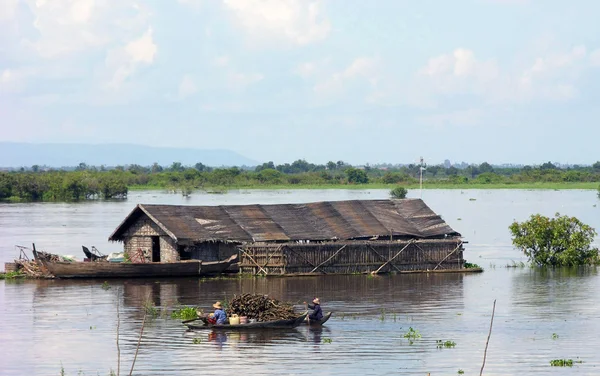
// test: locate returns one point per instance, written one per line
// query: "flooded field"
(540, 315)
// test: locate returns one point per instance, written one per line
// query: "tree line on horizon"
(91, 182)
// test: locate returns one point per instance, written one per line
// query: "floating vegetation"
(514, 264)
(11, 275)
(412, 335)
(469, 265)
(382, 316)
(472, 199)
(554, 336)
(185, 313)
(326, 340)
(105, 286)
(461, 372)
(151, 310)
(197, 340)
(561, 363)
(447, 344)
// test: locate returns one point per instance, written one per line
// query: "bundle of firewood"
(32, 269)
(260, 307)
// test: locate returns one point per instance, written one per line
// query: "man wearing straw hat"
(219, 317)
(317, 313)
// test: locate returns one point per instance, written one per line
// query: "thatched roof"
(318, 221)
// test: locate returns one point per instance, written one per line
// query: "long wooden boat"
(275, 324)
(317, 322)
(62, 269)
(218, 267)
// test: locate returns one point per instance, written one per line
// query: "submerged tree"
(398, 192)
(558, 241)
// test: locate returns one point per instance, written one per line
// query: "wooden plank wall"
(354, 257)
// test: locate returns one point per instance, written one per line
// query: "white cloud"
(470, 117)
(221, 61)
(366, 68)
(124, 61)
(192, 3)
(297, 21)
(550, 64)
(14, 80)
(67, 26)
(237, 80)
(8, 9)
(312, 68)
(551, 77)
(187, 87)
(458, 70)
(595, 58)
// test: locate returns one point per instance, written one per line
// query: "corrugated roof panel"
(284, 222)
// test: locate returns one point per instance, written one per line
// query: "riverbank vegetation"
(90, 182)
(11, 275)
(558, 241)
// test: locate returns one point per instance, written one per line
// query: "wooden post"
(255, 263)
(448, 255)
(396, 255)
(321, 264)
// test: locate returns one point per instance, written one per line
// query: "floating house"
(329, 237)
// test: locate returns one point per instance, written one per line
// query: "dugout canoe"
(62, 269)
(218, 267)
(317, 322)
(275, 324)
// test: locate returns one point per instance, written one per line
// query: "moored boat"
(94, 254)
(275, 324)
(62, 269)
(218, 267)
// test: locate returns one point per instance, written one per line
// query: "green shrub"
(399, 192)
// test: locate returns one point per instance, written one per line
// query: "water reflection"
(47, 323)
(541, 292)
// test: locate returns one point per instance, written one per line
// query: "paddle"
(186, 321)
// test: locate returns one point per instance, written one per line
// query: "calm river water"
(540, 315)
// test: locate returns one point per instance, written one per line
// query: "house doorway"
(155, 249)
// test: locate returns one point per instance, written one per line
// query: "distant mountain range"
(14, 154)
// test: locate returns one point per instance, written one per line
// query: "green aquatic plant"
(185, 313)
(561, 363)
(151, 310)
(197, 340)
(382, 316)
(514, 264)
(447, 344)
(326, 340)
(469, 265)
(11, 275)
(412, 335)
(461, 372)
(554, 336)
(105, 286)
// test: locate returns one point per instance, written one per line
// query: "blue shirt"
(220, 316)
(317, 313)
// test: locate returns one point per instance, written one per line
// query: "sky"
(503, 81)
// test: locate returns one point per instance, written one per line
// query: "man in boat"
(317, 313)
(219, 317)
